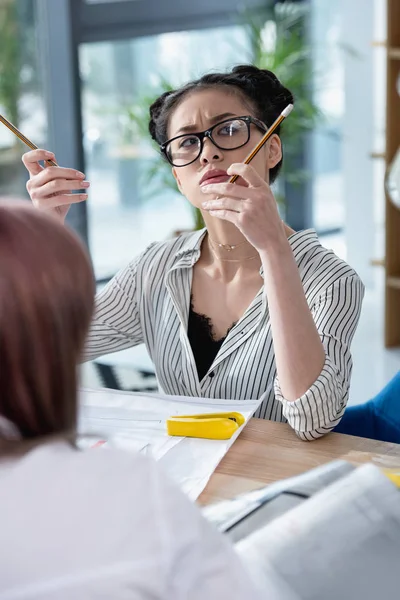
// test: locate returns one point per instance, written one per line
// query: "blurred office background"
(76, 76)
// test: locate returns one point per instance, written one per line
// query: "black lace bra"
(201, 337)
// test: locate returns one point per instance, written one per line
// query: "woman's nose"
(210, 153)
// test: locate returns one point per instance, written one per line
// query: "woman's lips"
(217, 179)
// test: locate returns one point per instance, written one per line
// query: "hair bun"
(267, 83)
(259, 75)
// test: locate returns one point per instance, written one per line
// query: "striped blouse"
(148, 302)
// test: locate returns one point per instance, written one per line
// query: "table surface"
(267, 451)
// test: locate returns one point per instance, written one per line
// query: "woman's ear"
(178, 181)
(274, 154)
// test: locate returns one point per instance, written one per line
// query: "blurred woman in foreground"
(74, 524)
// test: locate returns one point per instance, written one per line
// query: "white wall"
(358, 135)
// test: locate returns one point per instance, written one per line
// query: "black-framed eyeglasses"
(229, 134)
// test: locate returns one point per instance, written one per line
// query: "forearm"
(299, 353)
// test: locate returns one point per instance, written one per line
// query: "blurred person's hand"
(50, 188)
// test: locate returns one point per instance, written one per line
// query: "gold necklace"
(236, 260)
(227, 247)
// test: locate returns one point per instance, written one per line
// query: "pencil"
(23, 138)
(286, 111)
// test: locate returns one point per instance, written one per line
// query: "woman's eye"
(188, 142)
(228, 129)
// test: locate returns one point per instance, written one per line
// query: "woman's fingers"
(31, 160)
(223, 204)
(58, 193)
(59, 201)
(58, 187)
(247, 173)
(227, 189)
(51, 187)
(225, 215)
(54, 173)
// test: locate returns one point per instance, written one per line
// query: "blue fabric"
(378, 418)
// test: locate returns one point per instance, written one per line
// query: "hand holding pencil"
(51, 188)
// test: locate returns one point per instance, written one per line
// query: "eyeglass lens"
(227, 136)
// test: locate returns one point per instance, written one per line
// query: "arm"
(320, 407)
(311, 344)
(299, 353)
(116, 323)
(254, 212)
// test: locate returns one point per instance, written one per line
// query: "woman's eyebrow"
(215, 119)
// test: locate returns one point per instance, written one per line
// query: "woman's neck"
(227, 248)
(226, 241)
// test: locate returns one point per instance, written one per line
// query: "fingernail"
(79, 174)
(205, 204)
(83, 196)
(49, 155)
(85, 184)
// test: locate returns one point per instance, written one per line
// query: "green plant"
(9, 60)
(18, 73)
(275, 42)
(276, 37)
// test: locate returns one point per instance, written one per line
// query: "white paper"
(342, 543)
(137, 422)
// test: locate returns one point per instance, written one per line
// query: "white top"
(106, 524)
(148, 302)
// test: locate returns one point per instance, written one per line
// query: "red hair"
(46, 303)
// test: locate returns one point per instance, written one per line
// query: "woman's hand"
(251, 207)
(50, 188)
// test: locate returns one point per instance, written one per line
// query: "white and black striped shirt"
(148, 302)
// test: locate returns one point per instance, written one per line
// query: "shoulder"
(97, 479)
(167, 253)
(91, 464)
(320, 268)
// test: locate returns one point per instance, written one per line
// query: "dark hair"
(46, 303)
(260, 87)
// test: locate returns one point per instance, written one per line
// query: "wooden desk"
(267, 451)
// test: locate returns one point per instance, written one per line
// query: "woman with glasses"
(247, 307)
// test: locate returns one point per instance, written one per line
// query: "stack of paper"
(137, 422)
(343, 543)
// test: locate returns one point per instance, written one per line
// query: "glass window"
(128, 207)
(21, 99)
(103, 1)
(326, 171)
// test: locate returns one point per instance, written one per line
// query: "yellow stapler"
(214, 426)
